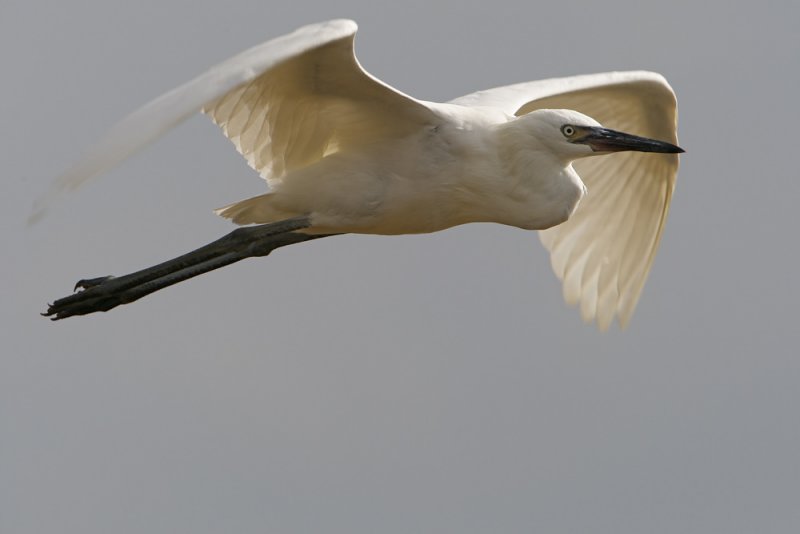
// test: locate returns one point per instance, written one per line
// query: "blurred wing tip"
(41, 205)
(37, 214)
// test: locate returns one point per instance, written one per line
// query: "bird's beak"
(606, 140)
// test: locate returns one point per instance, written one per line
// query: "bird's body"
(343, 152)
(480, 166)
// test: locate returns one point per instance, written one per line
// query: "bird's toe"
(91, 282)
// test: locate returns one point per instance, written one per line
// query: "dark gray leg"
(105, 293)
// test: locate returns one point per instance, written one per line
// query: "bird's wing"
(284, 104)
(603, 253)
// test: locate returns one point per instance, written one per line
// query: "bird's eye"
(568, 130)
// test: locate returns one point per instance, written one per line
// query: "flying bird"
(343, 152)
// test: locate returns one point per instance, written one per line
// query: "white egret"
(343, 152)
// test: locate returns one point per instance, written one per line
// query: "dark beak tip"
(605, 140)
(675, 149)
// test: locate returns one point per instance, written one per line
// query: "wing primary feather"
(152, 120)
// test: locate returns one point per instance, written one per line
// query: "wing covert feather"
(318, 103)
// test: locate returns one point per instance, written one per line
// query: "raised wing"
(319, 102)
(604, 252)
(284, 104)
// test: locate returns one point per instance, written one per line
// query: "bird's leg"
(105, 293)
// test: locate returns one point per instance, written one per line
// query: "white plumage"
(356, 155)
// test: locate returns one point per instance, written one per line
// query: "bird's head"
(572, 135)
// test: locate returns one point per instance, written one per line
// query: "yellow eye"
(568, 130)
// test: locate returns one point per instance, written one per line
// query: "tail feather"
(255, 210)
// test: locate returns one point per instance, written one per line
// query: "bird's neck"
(530, 187)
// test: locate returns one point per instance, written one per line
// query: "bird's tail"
(255, 210)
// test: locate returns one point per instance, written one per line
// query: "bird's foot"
(91, 295)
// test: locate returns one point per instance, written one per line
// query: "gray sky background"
(425, 384)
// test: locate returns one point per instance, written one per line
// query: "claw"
(91, 282)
